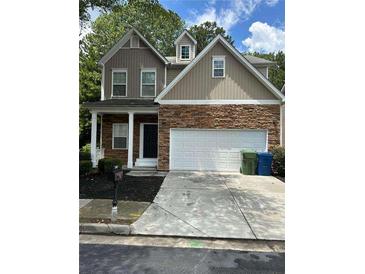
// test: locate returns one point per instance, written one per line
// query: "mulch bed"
(133, 188)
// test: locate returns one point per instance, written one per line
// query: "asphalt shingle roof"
(120, 103)
(252, 59)
(257, 60)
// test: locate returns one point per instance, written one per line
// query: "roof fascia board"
(121, 43)
(123, 109)
(181, 36)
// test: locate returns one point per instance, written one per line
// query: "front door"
(150, 141)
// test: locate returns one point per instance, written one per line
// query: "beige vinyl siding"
(238, 84)
(185, 40)
(263, 71)
(172, 73)
(134, 60)
(141, 44)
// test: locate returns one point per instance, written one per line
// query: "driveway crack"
(235, 201)
(177, 217)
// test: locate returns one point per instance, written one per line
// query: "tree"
(84, 5)
(276, 73)
(206, 32)
(159, 26)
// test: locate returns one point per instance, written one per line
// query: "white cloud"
(228, 16)
(271, 3)
(265, 38)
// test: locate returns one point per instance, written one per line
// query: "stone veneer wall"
(108, 120)
(215, 116)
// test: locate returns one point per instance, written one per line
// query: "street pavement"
(115, 258)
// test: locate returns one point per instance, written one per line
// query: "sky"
(255, 25)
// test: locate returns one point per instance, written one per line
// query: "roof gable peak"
(124, 40)
(185, 32)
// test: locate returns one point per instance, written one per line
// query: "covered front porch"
(128, 132)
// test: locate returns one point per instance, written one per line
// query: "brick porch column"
(94, 124)
(130, 139)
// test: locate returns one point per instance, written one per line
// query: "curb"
(91, 228)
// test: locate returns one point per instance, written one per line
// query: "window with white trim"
(185, 52)
(119, 83)
(218, 67)
(120, 136)
(148, 82)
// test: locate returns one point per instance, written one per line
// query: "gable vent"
(134, 41)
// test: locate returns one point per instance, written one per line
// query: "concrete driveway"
(218, 205)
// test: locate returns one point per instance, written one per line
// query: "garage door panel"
(197, 149)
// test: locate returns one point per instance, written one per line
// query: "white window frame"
(185, 59)
(219, 58)
(126, 82)
(127, 142)
(131, 42)
(141, 84)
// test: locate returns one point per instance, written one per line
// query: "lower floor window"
(120, 136)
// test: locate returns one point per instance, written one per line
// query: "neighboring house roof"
(172, 61)
(283, 89)
(182, 35)
(119, 103)
(236, 54)
(123, 40)
(257, 60)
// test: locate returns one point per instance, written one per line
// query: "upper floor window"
(119, 83)
(218, 67)
(148, 82)
(185, 52)
(120, 136)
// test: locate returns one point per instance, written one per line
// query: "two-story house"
(185, 112)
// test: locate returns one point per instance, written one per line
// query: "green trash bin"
(248, 162)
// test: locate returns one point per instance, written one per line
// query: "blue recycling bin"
(264, 161)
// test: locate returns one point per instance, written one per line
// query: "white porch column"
(130, 139)
(94, 123)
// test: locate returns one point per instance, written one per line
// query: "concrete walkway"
(218, 205)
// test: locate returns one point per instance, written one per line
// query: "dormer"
(185, 46)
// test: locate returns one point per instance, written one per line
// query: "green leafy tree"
(104, 5)
(276, 73)
(206, 32)
(158, 25)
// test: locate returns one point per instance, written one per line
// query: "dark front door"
(150, 141)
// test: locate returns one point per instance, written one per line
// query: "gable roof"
(237, 55)
(124, 40)
(182, 35)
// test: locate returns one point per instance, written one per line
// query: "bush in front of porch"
(107, 165)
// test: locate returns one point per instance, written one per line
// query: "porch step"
(146, 162)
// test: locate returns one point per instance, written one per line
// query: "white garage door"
(199, 149)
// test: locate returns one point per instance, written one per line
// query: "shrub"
(86, 148)
(278, 161)
(107, 165)
(85, 167)
(84, 156)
